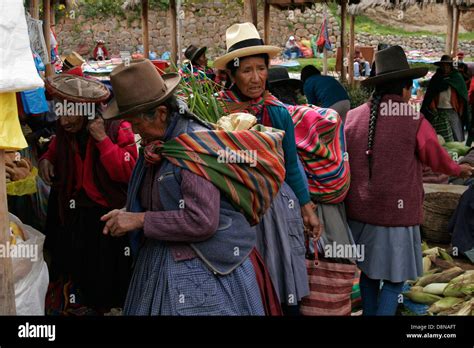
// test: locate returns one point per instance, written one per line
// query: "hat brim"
(113, 111)
(441, 62)
(198, 53)
(292, 83)
(56, 92)
(221, 62)
(413, 73)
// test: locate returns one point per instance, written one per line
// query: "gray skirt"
(390, 253)
(281, 242)
(162, 286)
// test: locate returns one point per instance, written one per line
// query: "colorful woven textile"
(248, 166)
(253, 106)
(320, 141)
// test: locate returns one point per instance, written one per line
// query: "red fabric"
(431, 153)
(471, 92)
(331, 288)
(267, 291)
(396, 185)
(118, 164)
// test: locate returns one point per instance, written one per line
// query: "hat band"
(245, 43)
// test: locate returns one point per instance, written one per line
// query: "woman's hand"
(311, 220)
(97, 129)
(119, 222)
(466, 171)
(46, 171)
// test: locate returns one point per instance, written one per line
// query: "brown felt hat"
(76, 89)
(392, 64)
(138, 87)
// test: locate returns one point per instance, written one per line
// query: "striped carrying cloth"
(320, 142)
(248, 166)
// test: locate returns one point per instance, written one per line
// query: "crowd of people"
(171, 230)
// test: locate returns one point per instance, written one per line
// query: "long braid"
(374, 111)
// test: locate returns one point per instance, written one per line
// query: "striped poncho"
(320, 142)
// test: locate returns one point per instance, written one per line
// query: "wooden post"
(449, 33)
(266, 22)
(179, 30)
(52, 16)
(7, 290)
(174, 33)
(456, 15)
(343, 39)
(325, 61)
(47, 36)
(250, 11)
(145, 34)
(351, 49)
(34, 9)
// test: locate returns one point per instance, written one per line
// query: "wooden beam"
(145, 32)
(7, 290)
(456, 15)
(449, 33)
(266, 22)
(250, 11)
(351, 49)
(174, 33)
(34, 9)
(47, 36)
(52, 17)
(343, 38)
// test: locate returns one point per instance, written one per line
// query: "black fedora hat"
(192, 52)
(279, 76)
(392, 64)
(445, 59)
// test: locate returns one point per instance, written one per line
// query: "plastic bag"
(34, 101)
(17, 67)
(11, 136)
(30, 273)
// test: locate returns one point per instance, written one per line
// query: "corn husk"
(441, 263)
(422, 297)
(432, 251)
(435, 288)
(236, 122)
(426, 264)
(466, 308)
(460, 286)
(444, 255)
(416, 288)
(444, 304)
(443, 277)
(424, 246)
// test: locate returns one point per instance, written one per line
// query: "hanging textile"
(36, 35)
(323, 41)
(17, 67)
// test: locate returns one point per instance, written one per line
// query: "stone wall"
(204, 24)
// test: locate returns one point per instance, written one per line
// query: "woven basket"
(438, 209)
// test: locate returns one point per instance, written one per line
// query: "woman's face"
(150, 129)
(251, 76)
(446, 68)
(72, 124)
(202, 60)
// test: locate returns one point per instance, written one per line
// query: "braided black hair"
(395, 87)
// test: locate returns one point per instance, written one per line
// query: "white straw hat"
(242, 40)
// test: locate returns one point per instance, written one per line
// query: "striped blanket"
(320, 142)
(248, 166)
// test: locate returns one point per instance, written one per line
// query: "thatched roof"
(363, 5)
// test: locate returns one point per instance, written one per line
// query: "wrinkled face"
(72, 124)
(150, 128)
(251, 76)
(202, 60)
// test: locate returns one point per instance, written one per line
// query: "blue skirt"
(162, 286)
(390, 253)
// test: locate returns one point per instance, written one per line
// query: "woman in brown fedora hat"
(281, 232)
(196, 64)
(445, 103)
(191, 238)
(388, 142)
(88, 164)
